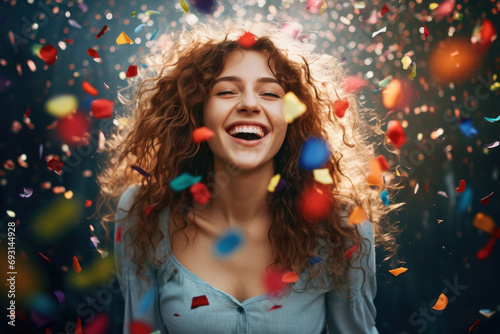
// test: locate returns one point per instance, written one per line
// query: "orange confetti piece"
(484, 222)
(398, 271)
(202, 134)
(290, 277)
(76, 265)
(123, 39)
(340, 106)
(441, 303)
(374, 178)
(88, 203)
(357, 216)
(89, 89)
(102, 108)
(247, 40)
(46, 259)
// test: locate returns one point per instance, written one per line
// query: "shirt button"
(240, 309)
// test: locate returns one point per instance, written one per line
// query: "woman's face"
(245, 103)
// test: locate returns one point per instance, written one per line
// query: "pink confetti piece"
(442, 193)
(27, 193)
(60, 296)
(492, 145)
(75, 24)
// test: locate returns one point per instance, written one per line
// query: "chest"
(241, 275)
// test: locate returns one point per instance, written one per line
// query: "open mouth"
(247, 136)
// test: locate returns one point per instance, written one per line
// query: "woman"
(235, 85)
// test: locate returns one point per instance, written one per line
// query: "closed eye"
(225, 92)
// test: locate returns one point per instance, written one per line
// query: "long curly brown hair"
(167, 106)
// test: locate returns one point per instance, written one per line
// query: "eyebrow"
(238, 79)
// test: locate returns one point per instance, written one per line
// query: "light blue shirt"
(166, 304)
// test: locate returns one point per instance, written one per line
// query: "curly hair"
(167, 106)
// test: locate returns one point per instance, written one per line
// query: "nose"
(249, 102)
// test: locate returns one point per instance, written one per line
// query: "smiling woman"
(286, 273)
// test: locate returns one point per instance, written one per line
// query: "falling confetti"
(184, 6)
(123, 39)
(55, 165)
(140, 170)
(290, 277)
(395, 133)
(119, 234)
(493, 145)
(46, 259)
(484, 222)
(315, 202)
(323, 176)
(292, 107)
(314, 154)
(273, 183)
(474, 325)
(247, 40)
(139, 327)
(27, 193)
(228, 243)
(441, 303)
(199, 301)
(48, 53)
(59, 296)
(486, 200)
(139, 27)
(340, 107)
(184, 181)
(314, 6)
(148, 210)
(384, 196)
(315, 259)
(351, 251)
(492, 120)
(103, 30)
(426, 31)
(154, 34)
(274, 307)
(93, 53)
(467, 127)
(131, 71)
(384, 29)
(200, 193)
(102, 108)
(89, 89)
(384, 10)
(398, 271)
(202, 134)
(357, 216)
(406, 61)
(461, 187)
(76, 265)
(486, 312)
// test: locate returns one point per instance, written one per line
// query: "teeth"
(247, 129)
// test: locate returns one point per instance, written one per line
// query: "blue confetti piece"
(384, 196)
(228, 243)
(144, 65)
(184, 181)
(377, 90)
(465, 200)
(146, 299)
(139, 28)
(315, 259)
(492, 120)
(154, 35)
(467, 127)
(314, 153)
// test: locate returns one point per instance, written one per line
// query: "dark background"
(438, 255)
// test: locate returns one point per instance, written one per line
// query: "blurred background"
(446, 99)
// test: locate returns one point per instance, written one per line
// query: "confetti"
(374, 178)
(445, 8)
(406, 61)
(467, 127)
(55, 165)
(131, 71)
(177, 315)
(492, 120)
(442, 193)
(119, 234)
(69, 40)
(140, 170)
(102, 108)
(323, 176)
(89, 89)
(59, 296)
(273, 183)
(27, 113)
(340, 107)
(385, 82)
(384, 196)
(151, 12)
(228, 243)
(292, 107)
(148, 210)
(133, 14)
(184, 181)
(315, 259)
(384, 10)
(154, 35)
(290, 277)
(103, 30)
(46, 259)
(184, 6)
(384, 29)
(351, 251)
(76, 265)
(123, 39)
(202, 134)
(486, 251)
(27, 193)
(461, 187)
(75, 24)
(93, 53)
(314, 6)
(199, 301)
(493, 145)
(78, 329)
(441, 303)
(315, 202)
(486, 200)
(357, 216)
(486, 312)
(281, 184)
(484, 222)
(48, 53)
(200, 193)
(62, 105)
(474, 325)
(413, 71)
(292, 29)
(274, 307)
(416, 189)
(139, 327)
(353, 83)
(396, 133)
(247, 40)
(384, 166)
(314, 154)
(139, 27)
(426, 31)
(398, 271)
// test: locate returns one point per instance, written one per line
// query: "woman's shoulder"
(127, 198)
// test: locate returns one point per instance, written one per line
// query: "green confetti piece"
(133, 13)
(386, 81)
(151, 12)
(184, 6)
(184, 181)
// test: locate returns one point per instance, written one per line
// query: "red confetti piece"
(27, 113)
(426, 187)
(273, 281)
(48, 53)
(496, 232)
(396, 133)
(55, 165)
(131, 71)
(476, 323)
(89, 89)
(290, 277)
(148, 209)
(69, 40)
(486, 251)
(177, 315)
(486, 200)
(140, 170)
(384, 10)
(247, 40)
(274, 307)
(119, 234)
(426, 31)
(139, 327)
(78, 329)
(383, 163)
(46, 259)
(315, 202)
(340, 106)
(200, 193)
(88, 203)
(202, 134)
(74, 128)
(416, 93)
(76, 265)
(103, 30)
(199, 301)
(461, 187)
(349, 253)
(93, 53)
(102, 108)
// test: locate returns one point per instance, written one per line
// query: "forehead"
(247, 62)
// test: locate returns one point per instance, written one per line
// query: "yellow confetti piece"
(398, 271)
(273, 183)
(494, 77)
(133, 13)
(323, 7)
(62, 105)
(441, 303)
(151, 12)
(406, 61)
(11, 213)
(433, 6)
(359, 5)
(357, 216)
(413, 72)
(290, 277)
(484, 222)
(323, 176)
(292, 107)
(495, 86)
(184, 6)
(124, 39)
(68, 194)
